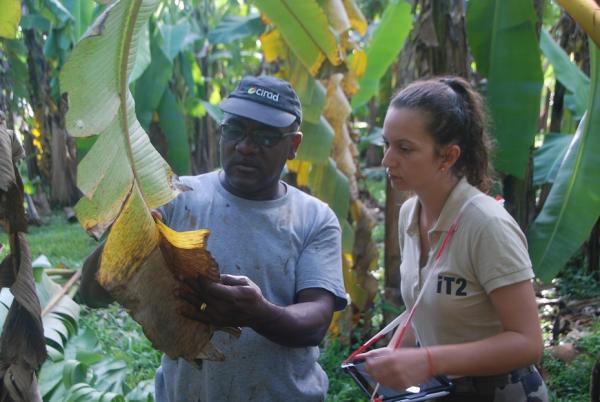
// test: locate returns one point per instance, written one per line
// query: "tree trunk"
(593, 248)
(55, 159)
(392, 255)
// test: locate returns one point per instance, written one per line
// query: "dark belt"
(487, 384)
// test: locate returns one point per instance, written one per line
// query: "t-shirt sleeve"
(500, 254)
(320, 263)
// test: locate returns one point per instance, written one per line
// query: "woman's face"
(410, 156)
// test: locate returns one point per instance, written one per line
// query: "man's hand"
(235, 302)
(239, 302)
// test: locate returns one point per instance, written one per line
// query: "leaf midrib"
(304, 28)
(131, 18)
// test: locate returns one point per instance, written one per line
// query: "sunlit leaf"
(357, 19)
(9, 18)
(385, 44)
(306, 30)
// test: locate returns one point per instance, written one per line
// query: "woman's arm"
(519, 345)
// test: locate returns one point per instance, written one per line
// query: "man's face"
(251, 170)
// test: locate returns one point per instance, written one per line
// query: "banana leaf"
(236, 27)
(385, 44)
(122, 177)
(548, 158)
(9, 18)
(305, 29)
(566, 72)
(500, 32)
(573, 205)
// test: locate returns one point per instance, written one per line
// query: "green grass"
(62, 242)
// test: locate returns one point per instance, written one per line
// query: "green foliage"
(511, 36)
(341, 386)
(548, 158)
(574, 283)
(573, 205)
(566, 72)
(570, 381)
(120, 338)
(385, 44)
(236, 27)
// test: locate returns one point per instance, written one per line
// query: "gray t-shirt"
(284, 246)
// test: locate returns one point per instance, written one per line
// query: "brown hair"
(457, 115)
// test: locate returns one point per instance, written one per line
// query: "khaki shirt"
(488, 251)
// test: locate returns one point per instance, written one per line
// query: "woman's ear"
(296, 140)
(449, 157)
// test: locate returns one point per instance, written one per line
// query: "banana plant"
(123, 178)
(573, 205)
(77, 369)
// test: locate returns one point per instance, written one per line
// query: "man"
(279, 251)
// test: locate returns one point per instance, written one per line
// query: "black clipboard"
(434, 388)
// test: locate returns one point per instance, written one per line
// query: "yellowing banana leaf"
(585, 12)
(10, 16)
(357, 19)
(337, 16)
(309, 90)
(385, 44)
(513, 37)
(272, 45)
(573, 205)
(122, 175)
(306, 30)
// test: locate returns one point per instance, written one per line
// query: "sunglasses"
(262, 137)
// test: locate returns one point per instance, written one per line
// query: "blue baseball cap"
(266, 99)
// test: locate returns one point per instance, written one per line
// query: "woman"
(477, 321)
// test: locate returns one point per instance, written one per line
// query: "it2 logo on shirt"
(451, 285)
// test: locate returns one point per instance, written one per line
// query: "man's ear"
(296, 140)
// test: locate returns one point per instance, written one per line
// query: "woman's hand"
(398, 369)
